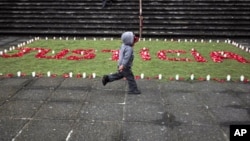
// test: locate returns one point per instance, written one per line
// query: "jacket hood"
(127, 38)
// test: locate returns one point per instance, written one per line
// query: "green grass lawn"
(102, 64)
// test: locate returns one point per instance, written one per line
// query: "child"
(125, 62)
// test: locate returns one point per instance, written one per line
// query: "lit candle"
(70, 74)
(84, 75)
(208, 77)
(48, 74)
(242, 78)
(142, 75)
(18, 73)
(160, 76)
(228, 77)
(33, 74)
(192, 77)
(177, 77)
(94, 75)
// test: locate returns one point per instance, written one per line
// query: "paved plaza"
(76, 109)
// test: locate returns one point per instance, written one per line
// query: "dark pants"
(128, 74)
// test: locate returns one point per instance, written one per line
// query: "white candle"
(70, 74)
(18, 73)
(160, 76)
(48, 74)
(228, 77)
(242, 78)
(208, 77)
(84, 75)
(142, 75)
(94, 75)
(177, 77)
(33, 74)
(192, 77)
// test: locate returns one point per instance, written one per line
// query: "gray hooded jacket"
(126, 55)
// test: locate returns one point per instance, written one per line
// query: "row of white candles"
(177, 77)
(143, 39)
(34, 74)
(208, 77)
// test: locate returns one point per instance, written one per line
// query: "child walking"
(125, 62)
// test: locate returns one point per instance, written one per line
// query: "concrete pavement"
(75, 109)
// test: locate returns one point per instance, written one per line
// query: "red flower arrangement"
(218, 56)
(85, 54)
(162, 55)
(20, 53)
(144, 53)
(197, 56)
(115, 54)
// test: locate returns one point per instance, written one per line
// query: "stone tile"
(177, 86)
(50, 83)
(210, 86)
(191, 115)
(69, 95)
(45, 130)
(219, 99)
(93, 131)
(59, 110)
(19, 109)
(144, 84)
(102, 112)
(14, 82)
(200, 133)
(245, 98)
(232, 114)
(106, 96)
(147, 95)
(181, 98)
(33, 94)
(9, 128)
(143, 112)
(141, 131)
(6, 93)
(76, 83)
